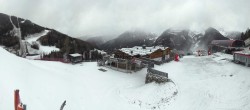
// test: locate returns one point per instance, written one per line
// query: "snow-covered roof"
(246, 51)
(100, 51)
(75, 55)
(138, 50)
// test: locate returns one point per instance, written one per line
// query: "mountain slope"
(98, 41)
(130, 39)
(14, 40)
(235, 35)
(26, 26)
(210, 35)
(187, 40)
(64, 42)
(8, 35)
(176, 39)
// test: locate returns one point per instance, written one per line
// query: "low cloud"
(112, 17)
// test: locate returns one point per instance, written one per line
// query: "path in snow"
(209, 83)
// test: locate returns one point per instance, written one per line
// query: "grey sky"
(113, 17)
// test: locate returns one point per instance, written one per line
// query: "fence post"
(246, 62)
(117, 65)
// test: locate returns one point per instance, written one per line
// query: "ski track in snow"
(200, 83)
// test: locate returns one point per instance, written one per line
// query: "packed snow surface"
(199, 83)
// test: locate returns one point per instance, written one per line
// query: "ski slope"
(30, 39)
(200, 83)
(33, 37)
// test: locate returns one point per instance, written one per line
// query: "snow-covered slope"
(130, 39)
(45, 85)
(235, 35)
(15, 31)
(176, 39)
(32, 39)
(210, 83)
(202, 83)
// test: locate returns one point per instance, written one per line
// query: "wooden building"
(75, 58)
(146, 52)
(155, 75)
(136, 58)
(242, 57)
(160, 53)
(227, 45)
(123, 65)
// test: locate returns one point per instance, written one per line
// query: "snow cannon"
(176, 57)
(17, 101)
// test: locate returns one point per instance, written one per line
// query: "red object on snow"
(209, 52)
(17, 103)
(16, 99)
(20, 107)
(176, 57)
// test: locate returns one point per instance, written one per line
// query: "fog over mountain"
(130, 39)
(113, 17)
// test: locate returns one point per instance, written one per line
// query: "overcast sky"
(113, 17)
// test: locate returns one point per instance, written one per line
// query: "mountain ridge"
(9, 39)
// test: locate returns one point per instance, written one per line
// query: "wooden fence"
(157, 62)
(55, 59)
(241, 58)
(155, 75)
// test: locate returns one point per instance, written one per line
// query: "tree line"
(245, 35)
(59, 55)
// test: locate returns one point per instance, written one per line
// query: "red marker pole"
(17, 103)
(16, 99)
(176, 57)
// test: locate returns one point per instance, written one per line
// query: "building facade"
(146, 52)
